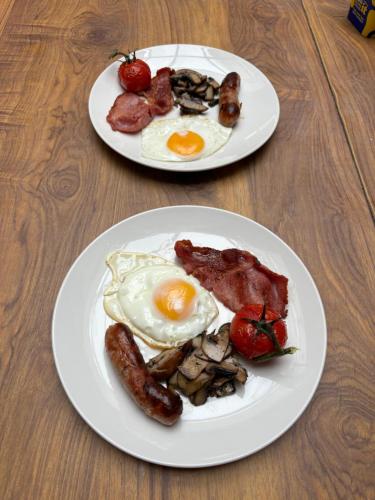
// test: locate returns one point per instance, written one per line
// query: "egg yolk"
(175, 299)
(185, 143)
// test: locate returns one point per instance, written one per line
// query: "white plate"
(224, 429)
(259, 113)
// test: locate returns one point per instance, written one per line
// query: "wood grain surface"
(60, 186)
(349, 63)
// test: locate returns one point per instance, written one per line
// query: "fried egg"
(183, 139)
(157, 299)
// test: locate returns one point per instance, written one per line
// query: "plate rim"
(169, 166)
(188, 465)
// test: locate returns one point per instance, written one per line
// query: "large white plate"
(224, 429)
(259, 113)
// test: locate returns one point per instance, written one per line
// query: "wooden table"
(313, 184)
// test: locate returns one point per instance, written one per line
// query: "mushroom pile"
(201, 367)
(191, 88)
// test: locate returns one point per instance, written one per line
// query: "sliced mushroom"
(198, 375)
(191, 75)
(224, 390)
(187, 83)
(224, 329)
(230, 364)
(172, 382)
(191, 89)
(232, 360)
(219, 381)
(214, 346)
(197, 341)
(241, 375)
(229, 350)
(188, 105)
(187, 96)
(201, 355)
(193, 365)
(201, 88)
(214, 84)
(209, 95)
(200, 397)
(182, 382)
(180, 82)
(178, 90)
(189, 387)
(222, 369)
(166, 363)
(188, 112)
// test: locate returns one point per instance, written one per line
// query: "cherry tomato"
(134, 74)
(259, 333)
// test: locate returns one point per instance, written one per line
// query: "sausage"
(155, 400)
(229, 105)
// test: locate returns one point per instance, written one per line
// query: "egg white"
(129, 299)
(155, 137)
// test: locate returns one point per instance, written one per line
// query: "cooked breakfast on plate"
(171, 308)
(157, 299)
(181, 139)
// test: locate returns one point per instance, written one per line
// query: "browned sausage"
(155, 400)
(229, 105)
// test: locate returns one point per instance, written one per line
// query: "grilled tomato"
(258, 333)
(134, 74)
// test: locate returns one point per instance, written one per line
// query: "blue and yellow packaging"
(362, 15)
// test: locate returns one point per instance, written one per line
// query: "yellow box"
(362, 15)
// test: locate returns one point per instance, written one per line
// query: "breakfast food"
(146, 97)
(203, 367)
(131, 112)
(159, 95)
(236, 277)
(157, 401)
(170, 310)
(134, 74)
(163, 366)
(183, 139)
(186, 138)
(157, 299)
(229, 105)
(191, 88)
(258, 333)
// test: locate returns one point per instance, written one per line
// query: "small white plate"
(222, 430)
(259, 113)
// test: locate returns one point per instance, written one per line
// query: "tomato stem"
(266, 327)
(270, 355)
(116, 52)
